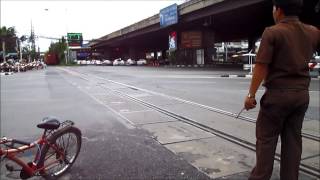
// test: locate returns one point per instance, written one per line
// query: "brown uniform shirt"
(287, 48)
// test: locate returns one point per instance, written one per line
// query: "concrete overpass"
(216, 20)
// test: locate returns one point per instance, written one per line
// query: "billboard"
(191, 39)
(168, 15)
(75, 39)
(173, 41)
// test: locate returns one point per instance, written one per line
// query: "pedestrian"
(282, 63)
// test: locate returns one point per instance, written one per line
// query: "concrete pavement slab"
(215, 156)
(311, 127)
(230, 125)
(313, 161)
(161, 101)
(173, 132)
(125, 106)
(147, 117)
(220, 159)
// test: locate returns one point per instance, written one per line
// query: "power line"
(54, 38)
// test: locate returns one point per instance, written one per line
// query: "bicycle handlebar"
(5, 140)
(20, 142)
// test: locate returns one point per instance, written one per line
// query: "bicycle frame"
(35, 167)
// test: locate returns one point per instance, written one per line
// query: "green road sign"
(75, 39)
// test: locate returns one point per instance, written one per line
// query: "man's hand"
(260, 71)
(250, 103)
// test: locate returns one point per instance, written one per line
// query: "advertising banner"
(173, 41)
(191, 39)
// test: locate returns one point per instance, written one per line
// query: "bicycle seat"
(49, 123)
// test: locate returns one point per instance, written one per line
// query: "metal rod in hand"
(240, 113)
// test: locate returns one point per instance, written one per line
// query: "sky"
(92, 18)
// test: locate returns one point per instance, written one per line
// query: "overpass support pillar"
(132, 53)
(106, 53)
(251, 44)
(208, 46)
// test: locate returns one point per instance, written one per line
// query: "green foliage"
(25, 52)
(172, 57)
(59, 48)
(8, 35)
(33, 54)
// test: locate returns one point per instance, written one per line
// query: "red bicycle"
(57, 150)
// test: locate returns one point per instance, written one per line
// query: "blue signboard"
(169, 15)
(83, 54)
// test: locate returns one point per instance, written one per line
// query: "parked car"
(141, 62)
(97, 62)
(83, 62)
(131, 62)
(116, 62)
(106, 63)
(122, 63)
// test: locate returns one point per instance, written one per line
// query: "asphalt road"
(110, 150)
(116, 149)
(198, 85)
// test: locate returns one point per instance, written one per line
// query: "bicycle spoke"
(60, 144)
(62, 154)
(62, 137)
(50, 155)
(55, 168)
(68, 141)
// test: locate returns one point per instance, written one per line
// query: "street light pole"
(20, 50)
(67, 58)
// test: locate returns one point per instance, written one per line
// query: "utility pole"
(4, 51)
(67, 40)
(38, 52)
(20, 50)
(33, 44)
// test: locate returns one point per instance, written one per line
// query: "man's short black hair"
(289, 7)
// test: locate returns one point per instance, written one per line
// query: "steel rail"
(312, 171)
(216, 110)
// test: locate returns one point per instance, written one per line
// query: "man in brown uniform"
(282, 62)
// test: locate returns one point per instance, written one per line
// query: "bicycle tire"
(47, 152)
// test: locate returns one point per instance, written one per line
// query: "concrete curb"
(250, 76)
(236, 75)
(315, 77)
(6, 73)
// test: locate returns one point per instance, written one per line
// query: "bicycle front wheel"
(58, 157)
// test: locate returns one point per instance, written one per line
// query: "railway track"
(216, 110)
(311, 171)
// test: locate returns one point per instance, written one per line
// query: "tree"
(59, 48)
(25, 52)
(8, 39)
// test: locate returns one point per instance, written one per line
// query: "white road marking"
(174, 98)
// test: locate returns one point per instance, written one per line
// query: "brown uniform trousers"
(286, 48)
(281, 113)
